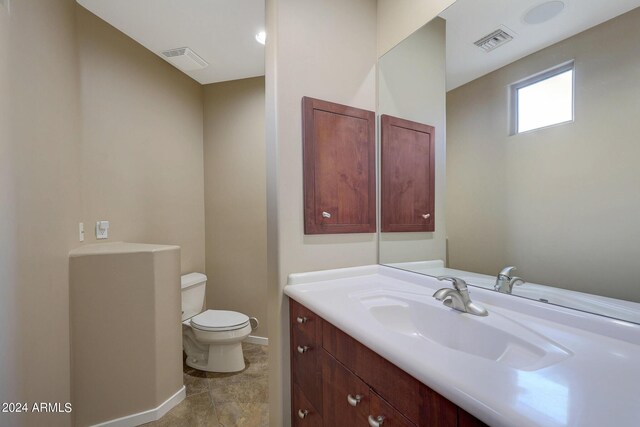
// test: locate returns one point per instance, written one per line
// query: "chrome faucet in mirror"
(505, 282)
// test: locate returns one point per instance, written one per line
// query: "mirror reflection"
(537, 183)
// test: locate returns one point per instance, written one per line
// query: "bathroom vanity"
(371, 346)
(338, 381)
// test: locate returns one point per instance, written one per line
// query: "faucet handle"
(457, 282)
(507, 271)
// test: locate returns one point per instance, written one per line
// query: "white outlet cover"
(102, 230)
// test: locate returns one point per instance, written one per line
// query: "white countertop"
(596, 384)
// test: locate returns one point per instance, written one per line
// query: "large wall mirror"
(536, 110)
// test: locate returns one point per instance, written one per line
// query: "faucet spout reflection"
(504, 281)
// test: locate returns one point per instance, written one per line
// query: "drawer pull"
(303, 349)
(301, 320)
(426, 216)
(353, 401)
(302, 413)
(376, 422)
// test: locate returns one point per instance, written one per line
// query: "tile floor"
(224, 400)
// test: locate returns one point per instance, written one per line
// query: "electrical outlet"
(81, 231)
(102, 230)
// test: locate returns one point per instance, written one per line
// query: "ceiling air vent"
(493, 40)
(184, 59)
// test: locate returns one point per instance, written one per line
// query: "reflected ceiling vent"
(494, 40)
(185, 59)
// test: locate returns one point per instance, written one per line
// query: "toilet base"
(221, 358)
(214, 351)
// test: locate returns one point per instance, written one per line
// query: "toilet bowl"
(212, 339)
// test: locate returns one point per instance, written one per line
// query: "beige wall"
(397, 19)
(559, 203)
(142, 155)
(411, 85)
(9, 356)
(235, 198)
(45, 139)
(99, 129)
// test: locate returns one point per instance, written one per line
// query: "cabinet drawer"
(305, 321)
(378, 407)
(303, 412)
(305, 349)
(396, 386)
(345, 396)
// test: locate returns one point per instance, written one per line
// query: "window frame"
(537, 78)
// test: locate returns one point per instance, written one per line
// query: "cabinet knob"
(376, 422)
(426, 216)
(302, 413)
(303, 349)
(301, 320)
(354, 400)
(326, 215)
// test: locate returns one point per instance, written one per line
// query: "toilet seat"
(219, 321)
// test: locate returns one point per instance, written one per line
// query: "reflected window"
(543, 100)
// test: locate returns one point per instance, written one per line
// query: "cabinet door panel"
(408, 175)
(392, 418)
(389, 381)
(303, 412)
(339, 168)
(339, 384)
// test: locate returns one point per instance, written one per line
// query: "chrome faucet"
(458, 297)
(504, 281)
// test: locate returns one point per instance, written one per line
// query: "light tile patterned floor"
(224, 400)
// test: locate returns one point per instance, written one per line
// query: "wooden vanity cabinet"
(339, 168)
(339, 382)
(407, 175)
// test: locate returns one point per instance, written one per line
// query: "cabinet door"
(345, 396)
(304, 413)
(381, 410)
(339, 168)
(396, 386)
(408, 175)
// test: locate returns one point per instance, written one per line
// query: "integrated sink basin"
(494, 337)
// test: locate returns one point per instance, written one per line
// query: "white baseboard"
(257, 340)
(147, 416)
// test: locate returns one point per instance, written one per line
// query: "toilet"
(212, 339)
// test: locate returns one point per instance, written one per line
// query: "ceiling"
(222, 32)
(470, 20)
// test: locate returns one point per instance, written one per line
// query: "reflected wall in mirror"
(561, 202)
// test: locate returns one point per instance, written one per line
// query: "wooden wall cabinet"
(338, 382)
(407, 175)
(339, 168)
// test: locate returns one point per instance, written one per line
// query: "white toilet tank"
(193, 287)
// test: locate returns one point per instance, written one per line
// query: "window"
(543, 100)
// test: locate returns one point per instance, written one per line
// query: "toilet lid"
(219, 320)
